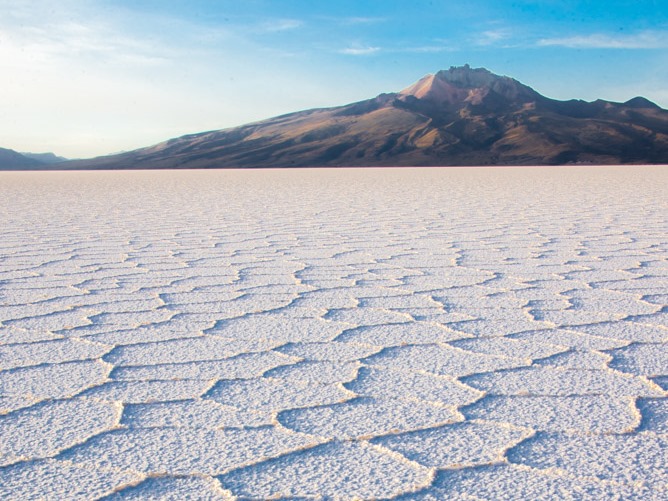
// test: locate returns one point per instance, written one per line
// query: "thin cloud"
(359, 51)
(643, 40)
(491, 37)
(61, 43)
(363, 20)
(352, 20)
(278, 25)
(428, 49)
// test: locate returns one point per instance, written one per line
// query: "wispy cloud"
(360, 50)
(642, 40)
(428, 49)
(351, 20)
(278, 25)
(491, 37)
(363, 20)
(26, 41)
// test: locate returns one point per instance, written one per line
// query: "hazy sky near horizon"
(84, 78)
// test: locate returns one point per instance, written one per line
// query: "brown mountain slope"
(461, 116)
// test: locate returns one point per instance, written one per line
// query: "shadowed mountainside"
(45, 158)
(460, 116)
(13, 160)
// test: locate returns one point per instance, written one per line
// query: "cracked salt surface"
(379, 333)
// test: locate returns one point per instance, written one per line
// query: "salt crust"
(382, 333)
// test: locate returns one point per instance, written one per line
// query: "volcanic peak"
(463, 84)
(467, 77)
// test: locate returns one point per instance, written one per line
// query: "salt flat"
(383, 333)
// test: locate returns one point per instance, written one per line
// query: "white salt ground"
(381, 333)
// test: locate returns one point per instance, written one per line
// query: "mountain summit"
(461, 85)
(459, 116)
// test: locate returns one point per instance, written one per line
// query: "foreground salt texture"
(419, 333)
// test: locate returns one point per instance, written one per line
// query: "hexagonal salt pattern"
(334, 334)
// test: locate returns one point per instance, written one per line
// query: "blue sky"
(89, 77)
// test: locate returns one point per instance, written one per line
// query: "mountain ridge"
(459, 116)
(45, 158)
(14, 160)
(10, 160)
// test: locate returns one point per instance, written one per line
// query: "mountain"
(460, 116)
(13, 160)
(45, 158)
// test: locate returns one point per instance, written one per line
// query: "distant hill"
(13, 160)
(460, 116)
(45, 158)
